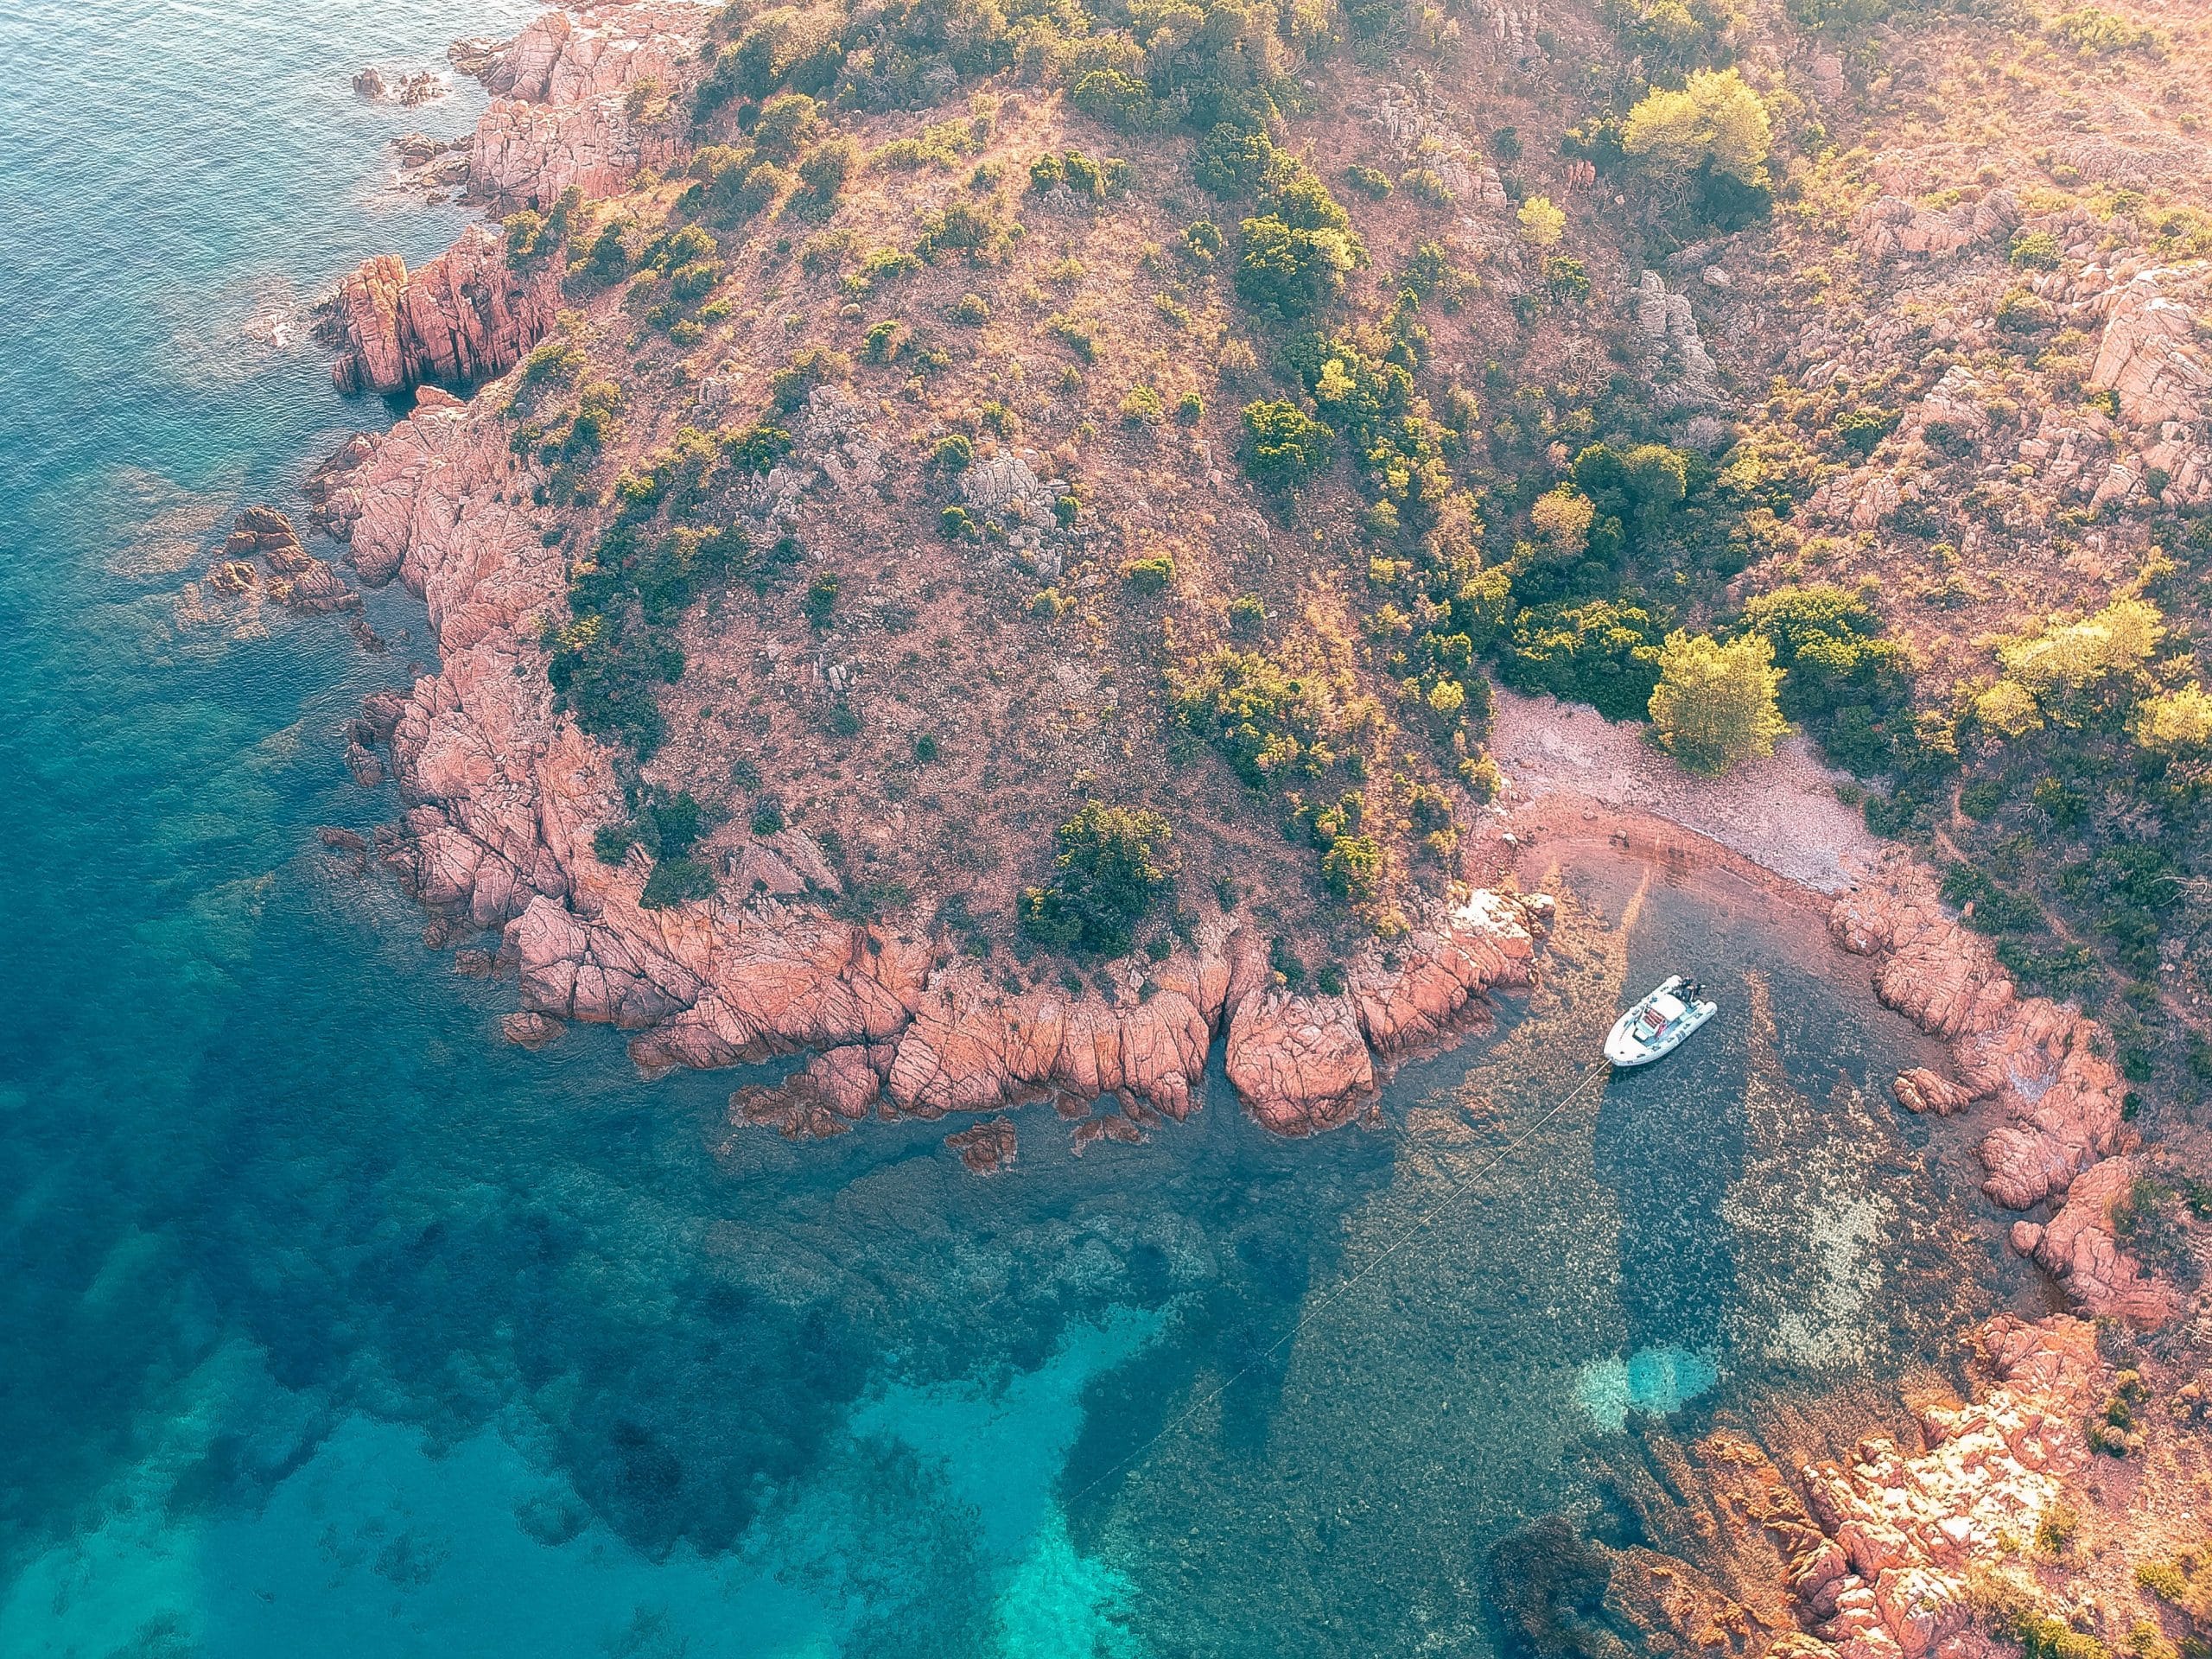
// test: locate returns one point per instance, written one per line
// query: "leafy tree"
(1561, 519)
(1715, 703)
(1541, 224)
(1283, 447)
(1114, 862)
(1713, 120)
(1292, 272)
(2074, 656)
(2175, 722)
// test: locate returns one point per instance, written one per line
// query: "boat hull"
(1624, 1049)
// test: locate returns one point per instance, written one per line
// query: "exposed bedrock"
(582, 100)
(2041, 1066)
(467, 315)
(1901, 1534)
(504, 793)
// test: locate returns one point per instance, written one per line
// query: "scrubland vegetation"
(1338, 405)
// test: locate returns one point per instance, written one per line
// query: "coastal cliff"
(821, 491)
(504, 795)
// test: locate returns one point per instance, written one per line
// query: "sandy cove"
(503, 794)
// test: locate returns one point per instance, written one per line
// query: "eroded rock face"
(2059, 1098)
(1680, 370)
(1903, 1532)
(582, 100)
(466, 316)
(2081, 1251)
(503, 795)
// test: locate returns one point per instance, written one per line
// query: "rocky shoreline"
(503, 794)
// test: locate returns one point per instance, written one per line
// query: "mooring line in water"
(1330, 1297)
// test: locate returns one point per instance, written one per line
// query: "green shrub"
(1283, 447)
(2034, 251)
(821, 601)
(824, 169)
(1118, 99)
(2094, 32)
(1150, 575)
(608, 262)
(953, 453)
(973, 310)
(1078, 334)
(1427, 184)
(1602, 652)
(1863, 429)
(882, 341)
(1114, 863)
(674, 881)
(1268, 720)
(1190, 408)
(1354, 867)
(1142, 405)
(1293, 272)
(1843, 682)
(757, 448)
(1368, 181)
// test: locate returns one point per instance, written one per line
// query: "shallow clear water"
(332, 1325)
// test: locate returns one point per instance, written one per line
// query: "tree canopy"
(1714, 118)
(1715, 703)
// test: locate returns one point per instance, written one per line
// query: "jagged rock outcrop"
(2082, 1251)
(1680, 371)
(503, 794)
(2059, 1098)
(1425, 133)
(466, 316)
(582, 100)
(2149, 353)
(1891, 227)
(988, 1148)
(288, 572)
(333, 502)
(408, 87)
(1903, 1531)
(1923, 1091)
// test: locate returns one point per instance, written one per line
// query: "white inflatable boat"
(1660, 1024)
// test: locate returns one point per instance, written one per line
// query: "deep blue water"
(331, 1325)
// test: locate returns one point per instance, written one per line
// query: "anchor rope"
(1337, 1292)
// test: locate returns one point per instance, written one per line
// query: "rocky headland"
(504, 795)
(1929, 1541)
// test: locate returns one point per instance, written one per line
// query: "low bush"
(1113, 865)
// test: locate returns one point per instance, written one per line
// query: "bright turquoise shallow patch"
(1655, 1380)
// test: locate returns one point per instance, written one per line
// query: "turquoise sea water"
(331, 1325)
